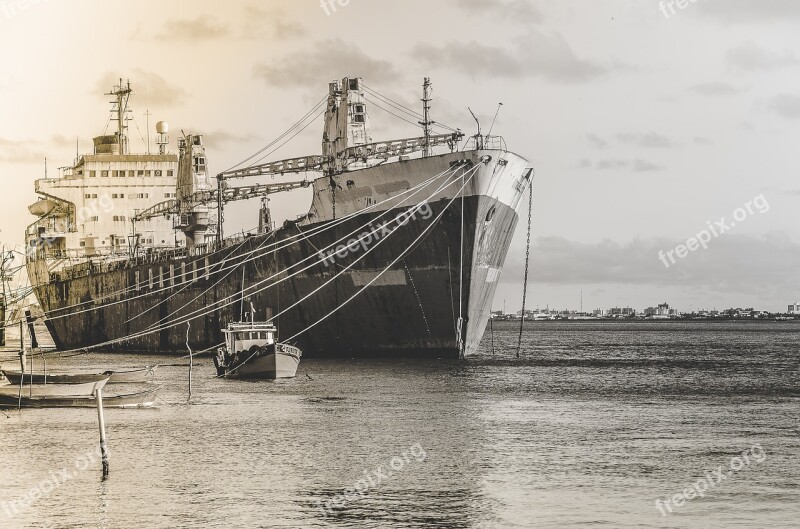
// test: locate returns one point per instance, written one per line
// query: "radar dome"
(162, 127)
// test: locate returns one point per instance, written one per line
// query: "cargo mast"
(122, 94)
(426, 122)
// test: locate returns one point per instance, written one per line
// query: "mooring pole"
(102, 422)
(30, 320)
(191, 363)
(21, 362)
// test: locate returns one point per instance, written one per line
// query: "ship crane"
(347, 145)
(228, 194)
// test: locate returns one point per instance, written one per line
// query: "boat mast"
(220, 208)
(122, 93)
(426, 122)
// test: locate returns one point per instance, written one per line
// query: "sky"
(647, 123)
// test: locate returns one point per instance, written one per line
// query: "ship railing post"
(102, 424)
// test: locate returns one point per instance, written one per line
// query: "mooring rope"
(527, 260)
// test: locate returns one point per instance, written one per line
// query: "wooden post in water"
(3, 318)
(30, 320)
(102, 422)
(191, 363)
(21, 362)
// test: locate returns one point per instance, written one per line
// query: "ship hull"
(401, 294)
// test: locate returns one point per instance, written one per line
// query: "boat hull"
(15, 377)
(455, 249)
(144, 399)
(269, 366)
(54, 390)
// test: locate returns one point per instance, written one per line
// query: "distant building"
(617, 312)
(662, 311)
(794, 309)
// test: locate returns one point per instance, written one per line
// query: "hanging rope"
(527, 260)
(461, 279)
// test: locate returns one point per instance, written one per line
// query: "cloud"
(597, 141)
(641, 166)
(521, 11)
(604, 165)
(700, 140)
(217, 138)
(650, 140)
(266, 22)
(198, 29)
(548, 56)
(149, 88)
(748, 11)
(326, 60)
(732, 263)
(23, 151)
(714, 89)
(636, 165)
(752, 58)
(785, 105)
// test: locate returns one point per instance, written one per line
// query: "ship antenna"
(478, 137)
(147, 126)
(426, 122)
(495, 119)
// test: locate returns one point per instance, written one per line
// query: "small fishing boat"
(142, 399)
(53, 390)
(251, 351)
(131, 376)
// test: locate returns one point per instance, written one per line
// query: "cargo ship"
(399, 253)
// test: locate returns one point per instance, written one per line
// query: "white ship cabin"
(86, 211)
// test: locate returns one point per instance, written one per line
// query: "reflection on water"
(591, 426)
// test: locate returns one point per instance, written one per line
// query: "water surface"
(589, 427)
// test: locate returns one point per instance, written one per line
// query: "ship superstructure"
(86, 211)
(400, 250)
